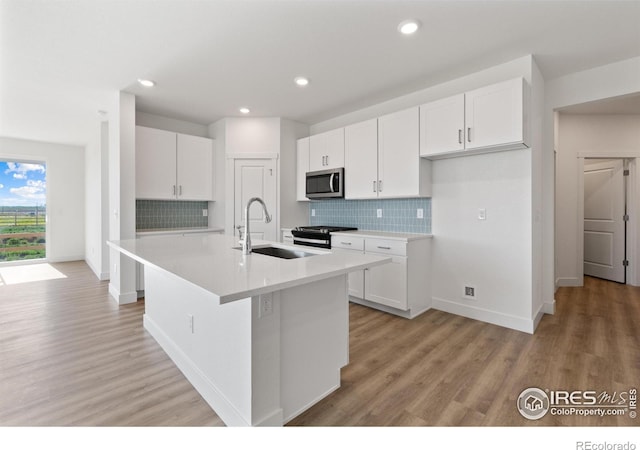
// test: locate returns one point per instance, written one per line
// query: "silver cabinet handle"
(327, 160)
(469, 134)
(180, 190)
(374, 185)
(379, 185)
(384, 248)
(345, 243)
(460, 136)
(174, 189)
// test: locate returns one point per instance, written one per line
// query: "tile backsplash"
(398, 215)
(153, 214)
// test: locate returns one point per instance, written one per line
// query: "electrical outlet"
(420, 213)
(205, 212)
(379, 213)
(469, 292)
(482, 214)
(313, 213)
(266, 305)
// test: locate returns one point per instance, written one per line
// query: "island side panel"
(215, 355)
(314, 342)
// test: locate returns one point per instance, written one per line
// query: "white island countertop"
(211, 262)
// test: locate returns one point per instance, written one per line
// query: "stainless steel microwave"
(325, 184)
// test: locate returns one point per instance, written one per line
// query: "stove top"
(325, 229)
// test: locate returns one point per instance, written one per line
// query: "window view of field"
(22, 211)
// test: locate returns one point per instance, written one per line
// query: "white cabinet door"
(442, 126)
(399, 154)
(361, 160)
(387, 284)
(326, 150)
(302, 167)
(194, 168)
(494, 114)
(155, 164)
(356, 278)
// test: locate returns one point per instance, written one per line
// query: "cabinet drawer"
(386, 246)
(353, 243)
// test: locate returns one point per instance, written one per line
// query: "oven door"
(325, 184)
(311, 239)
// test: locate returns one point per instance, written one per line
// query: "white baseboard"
(205, 387)
(102, 276)
(59, 259)
(122, 298)
(485, 315)
(568, 282)
(549, 307)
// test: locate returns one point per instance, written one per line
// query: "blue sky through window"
(22, 184)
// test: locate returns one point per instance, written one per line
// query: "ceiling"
(62, 61)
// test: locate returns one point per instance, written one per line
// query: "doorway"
(23, 210)
(605, 205)
(605, 211)
(255, 178)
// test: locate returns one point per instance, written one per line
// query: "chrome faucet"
(246, 242)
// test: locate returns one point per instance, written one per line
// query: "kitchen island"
(260, 338)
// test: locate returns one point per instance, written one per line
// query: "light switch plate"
(420, 213)
(205, 212)
(482, 214)
(379, 213)
(313, 213)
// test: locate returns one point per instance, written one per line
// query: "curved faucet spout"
(246, 243)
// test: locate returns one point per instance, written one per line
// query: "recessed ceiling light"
(301, 81)
(244, 110)
(146, 83)
(409, 26)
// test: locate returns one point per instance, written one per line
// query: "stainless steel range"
(317, 236)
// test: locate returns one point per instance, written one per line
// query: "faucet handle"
(240, 231)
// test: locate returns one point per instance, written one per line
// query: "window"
(23, 210)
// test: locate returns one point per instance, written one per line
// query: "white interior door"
(255, 178)
(604, 238)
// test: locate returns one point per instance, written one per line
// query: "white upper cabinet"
(172, 166)
(155, 164)
(361, 160)
(326, 150)
(194, 168)
(401, 171)
(487, 119)
(302, 167)
(494, 114)
(442, 126)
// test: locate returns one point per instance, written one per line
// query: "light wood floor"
(70, 356)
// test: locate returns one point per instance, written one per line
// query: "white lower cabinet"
(400, 287)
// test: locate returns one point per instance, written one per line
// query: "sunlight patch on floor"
(29, 273)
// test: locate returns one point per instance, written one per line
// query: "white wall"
(602, 134)
(170, 124)
(97, 201)
(598, 83)
(292, 212)
(65, 193)
(122, 209)
(492, 255)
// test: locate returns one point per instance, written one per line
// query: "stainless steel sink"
(278, 252)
